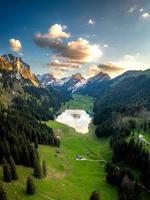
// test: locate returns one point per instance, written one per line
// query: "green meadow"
(68, 178)
(78, 102)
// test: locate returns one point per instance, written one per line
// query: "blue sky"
(112, 32)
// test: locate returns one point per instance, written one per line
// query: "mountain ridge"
(18, 68)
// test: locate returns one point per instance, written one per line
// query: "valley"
(75, 100)
(68, 178)
(64, 163)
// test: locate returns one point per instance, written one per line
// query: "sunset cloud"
(93, 70)
(15, 45)
(56, 31)
(110, 68)
(63, 64)
(129, 62)
(57, 73)
(67, 55)
(82, 50)
(79, 50)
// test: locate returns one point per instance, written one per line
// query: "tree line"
(18, 131)
(134, 155)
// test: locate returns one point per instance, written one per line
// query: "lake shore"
(75, 118)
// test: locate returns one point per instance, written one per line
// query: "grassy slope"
(145, 196)
(138, 131)
(78, 102)
(67, 178)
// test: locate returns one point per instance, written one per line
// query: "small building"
(79, 157)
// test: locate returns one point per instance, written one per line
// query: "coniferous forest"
(75, 100)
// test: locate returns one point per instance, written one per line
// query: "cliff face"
(17, 68)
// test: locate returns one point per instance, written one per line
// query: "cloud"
(55, 31)
(141, 9)
(63, 64)
(61, 69)
(106, 45)
(110, 68)
(15, 45)
(82, 51)
(92, 71)
(67, 55)
(91, 22)
(129, 62)
(145, 15)
(132, 9)
(57, 73)
(79, 50)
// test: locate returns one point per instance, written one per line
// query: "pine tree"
(95, 196)
(44, 168)
(37, 168)
(30, 187)
(6, 171)
(7, 149)
(36, 143)
(15, 153)
(2, 193)
(13, 169)
(26, 156)
(127, 187)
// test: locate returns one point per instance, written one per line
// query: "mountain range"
(12, 67)
(94, 86)
(19, 86)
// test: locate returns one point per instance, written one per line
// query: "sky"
(70, 36)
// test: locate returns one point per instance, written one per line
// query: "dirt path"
(85, 159)
(44, 195)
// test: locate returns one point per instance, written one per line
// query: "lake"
(77, 119)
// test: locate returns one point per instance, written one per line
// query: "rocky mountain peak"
(18, 68)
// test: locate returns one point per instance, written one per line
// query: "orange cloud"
(63, 64)
(56, 31)
(79, 50)
(15, 45)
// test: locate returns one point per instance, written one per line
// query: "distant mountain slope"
(68, 84)
(128, 96)
(46, 79)
(101, 83)
(127, 74)
(96, 85)
(74, 83)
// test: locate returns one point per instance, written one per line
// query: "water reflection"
(77, 119)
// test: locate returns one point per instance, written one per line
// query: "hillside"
(67, 177)
(29, 111)
(23, 104)
(129, 96)
(17, 68)
(96, 85)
